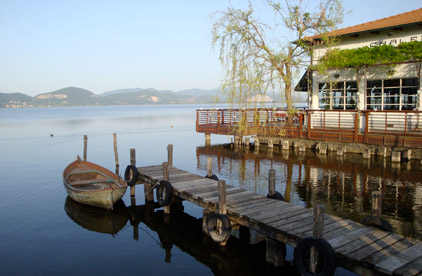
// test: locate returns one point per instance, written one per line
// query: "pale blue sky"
(106, 45)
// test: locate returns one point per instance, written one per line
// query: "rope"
(153, 187)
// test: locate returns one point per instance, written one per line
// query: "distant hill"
(14, 99)
(74, 96)
(198, 92)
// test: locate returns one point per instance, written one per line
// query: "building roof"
(402, 19)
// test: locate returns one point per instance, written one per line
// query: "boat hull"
(91, 184)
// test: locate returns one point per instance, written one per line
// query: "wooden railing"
(390, 128)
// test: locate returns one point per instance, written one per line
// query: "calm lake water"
(44, 232)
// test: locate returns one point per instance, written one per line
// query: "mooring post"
(209, 166)
(85, 146)
(318, 231)
(166, 174)
(222, 207)
(170, 154)
(116, 156)
(271, 182)
(132, 188)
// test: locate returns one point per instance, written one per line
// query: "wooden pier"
(362, 249)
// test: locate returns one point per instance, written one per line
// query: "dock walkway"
(361, 249)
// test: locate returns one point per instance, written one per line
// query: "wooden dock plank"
(241, 193)
(393, 263)
(192, 183)
(373, 248)
(257, 207)
(277, 217)
(363, 241)
(387, 252)
(256, 200)
(355, 245)
(412, 268)
(350, 237)
(213, 193)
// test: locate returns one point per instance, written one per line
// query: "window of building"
(338, 95)
(394, 94)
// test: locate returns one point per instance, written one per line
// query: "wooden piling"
(166, 174)
(275, 252)
(207, 139)
(222, 207)
(366, 154)
(318, 231)
(270, 144)
(271, 182)
(85, 146)
(256, 142)
(170, 154)
(116, 155)
(396, 156)
(209, 166)
(133, 163)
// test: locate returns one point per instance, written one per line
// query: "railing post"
(300, 125)
(355, 133)
(339, 125)
(365, 136)
(309, 125)
(218, 121)
(197, 120)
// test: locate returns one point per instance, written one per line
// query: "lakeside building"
(372, 87)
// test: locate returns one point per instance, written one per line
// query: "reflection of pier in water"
(343, 184)
(179, 229)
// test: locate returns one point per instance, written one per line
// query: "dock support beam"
(166, 174)
(170, 155)
(275, 252)
(207, 139)
(116, 155)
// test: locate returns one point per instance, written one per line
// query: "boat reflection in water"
(343, 184)
(98, 219)
(243, 255)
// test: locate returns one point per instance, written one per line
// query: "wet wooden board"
(358, 248)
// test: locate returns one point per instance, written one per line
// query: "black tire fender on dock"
(164, 193)
(326, 253)
(378, 222)
(276, 195)
(213, 177)
(131, 170)
(224, 233)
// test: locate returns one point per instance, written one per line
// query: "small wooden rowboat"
(91, 184)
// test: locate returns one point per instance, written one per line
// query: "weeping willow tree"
(260, 58)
